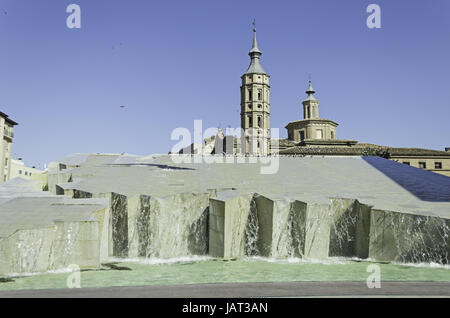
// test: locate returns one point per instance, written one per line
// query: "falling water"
(174, 226)
(251, 231)
(420, 238)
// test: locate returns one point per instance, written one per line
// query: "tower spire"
(255, 54)
(310, 91)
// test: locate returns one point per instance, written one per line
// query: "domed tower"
(311, 127)
(255, 105)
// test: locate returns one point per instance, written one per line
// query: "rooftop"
(312, 120)
(357, 150)
(7, 119)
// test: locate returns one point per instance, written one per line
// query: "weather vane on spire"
(309, 77)
(254, 25)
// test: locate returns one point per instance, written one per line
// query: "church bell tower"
(255, 105)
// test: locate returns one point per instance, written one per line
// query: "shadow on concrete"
(425, 185)
(148, 165)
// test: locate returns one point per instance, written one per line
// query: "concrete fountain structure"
(42, 232)
(100, 206)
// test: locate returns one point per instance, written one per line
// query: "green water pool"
(205, 270)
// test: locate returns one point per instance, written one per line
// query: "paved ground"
(243, 290)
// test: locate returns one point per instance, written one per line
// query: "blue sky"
(171, 62)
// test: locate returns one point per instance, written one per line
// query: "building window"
(259, 105)
(20, 171)
(259, 145)
(332, 135)
(319, 134)
(308, 112)
(250, 121)
(250, 106)
(438, 165)
(259, 94)
(259, 121)
(26, 173)
(250, 94)
(302, 135)
(406, 163)
(422, 165)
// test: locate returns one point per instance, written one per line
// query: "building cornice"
(255, 83)
(314, 120)
(7, 119)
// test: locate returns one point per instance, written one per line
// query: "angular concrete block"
(116, 220)
(58, 177)
(79, 194)
(318, 219)
(52, 248)
(228, 220)
(26, 251)
(350, 228)
(405, 237)
(102, 217)
(173, 226)
(75, 243)
(281, 227)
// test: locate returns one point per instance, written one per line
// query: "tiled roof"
(358, 150)
(283, 143)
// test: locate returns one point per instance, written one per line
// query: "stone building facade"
(6, 137)
(20, 170)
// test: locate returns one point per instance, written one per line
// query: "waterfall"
(420, 238)
(343, 227)
(174, 226)
(251, 231)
